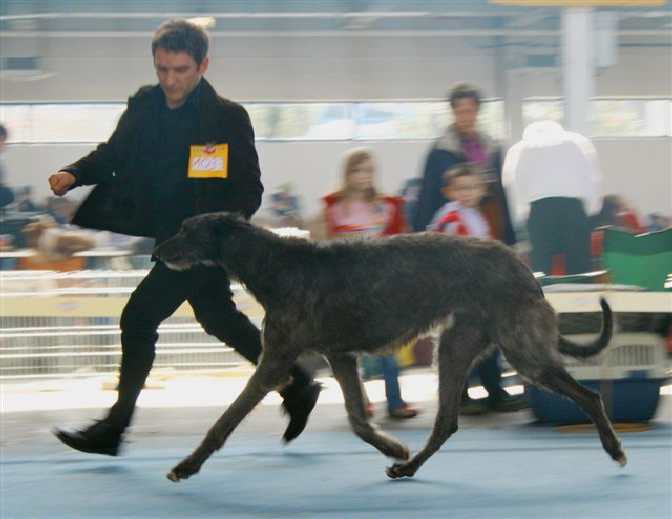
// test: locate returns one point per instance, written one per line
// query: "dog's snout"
(168, 250)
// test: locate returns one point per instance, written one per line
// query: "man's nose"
(170, 79)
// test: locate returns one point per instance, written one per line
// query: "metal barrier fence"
(67, 324)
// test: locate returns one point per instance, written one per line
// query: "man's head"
(465, 101)
(463, 184)
(180, 51)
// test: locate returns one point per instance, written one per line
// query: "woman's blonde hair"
(351, 160)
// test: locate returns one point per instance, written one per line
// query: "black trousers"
(155, 299)
(559, 225)
(490, 375)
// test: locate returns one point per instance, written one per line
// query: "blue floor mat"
(516, 472)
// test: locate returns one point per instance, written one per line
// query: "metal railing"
(67, 324)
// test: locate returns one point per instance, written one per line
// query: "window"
(402, 120)
(60, 122)
(418, 120)
(342, 121)
(626, 117)
(611, 117)
(542, 110)
(379, 121)
(301, 121)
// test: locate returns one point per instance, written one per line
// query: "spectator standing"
(553, 178)
(464, 142)
(358, 209)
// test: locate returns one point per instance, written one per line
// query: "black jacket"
(122, 167)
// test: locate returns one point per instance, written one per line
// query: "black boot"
(299, 400)
(473, 406)
(99, 438)
(505, 403)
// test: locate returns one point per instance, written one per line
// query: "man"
(178, 150)
(554, 179)
(464, 143)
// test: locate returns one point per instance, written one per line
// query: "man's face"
(2, 144)
(466, 113)
(178, 75)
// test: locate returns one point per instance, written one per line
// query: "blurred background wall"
(267, 54)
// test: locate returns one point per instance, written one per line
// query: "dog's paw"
(183, 470)
(622, 460)
(401, 470)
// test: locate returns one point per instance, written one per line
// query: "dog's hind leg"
(458, 348)
(345, 370)
(529, 341)
(561, 382)
(272, 371)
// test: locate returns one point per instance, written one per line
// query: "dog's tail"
(580, 351)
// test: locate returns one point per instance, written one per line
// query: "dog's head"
(207, 239)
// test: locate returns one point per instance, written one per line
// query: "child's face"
(467, 190)
(360, 177)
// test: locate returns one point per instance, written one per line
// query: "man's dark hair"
(461, 170)
(181, 36)
(464, 91)
(3, 132)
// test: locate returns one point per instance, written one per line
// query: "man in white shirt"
(553, 179)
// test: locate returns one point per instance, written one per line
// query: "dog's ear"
(225, 231)
(238, 216)
(223, 224)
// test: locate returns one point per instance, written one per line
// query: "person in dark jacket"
(6, 194)
(464, 143)
(178, 150)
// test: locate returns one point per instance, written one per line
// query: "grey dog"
(343, 297)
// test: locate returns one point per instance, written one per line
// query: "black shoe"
(473, 407)
(100, 438)
(508, 403)
(298, 403)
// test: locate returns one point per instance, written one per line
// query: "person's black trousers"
(559, 225)
(155, 299)
(490, 375)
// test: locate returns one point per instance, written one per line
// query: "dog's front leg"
(269, 375)
(345, 371)
(458, 348)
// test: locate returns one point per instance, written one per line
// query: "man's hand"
(61, 182)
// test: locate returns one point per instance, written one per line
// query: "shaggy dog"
(345, 297)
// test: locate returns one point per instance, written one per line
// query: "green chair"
(644, 260)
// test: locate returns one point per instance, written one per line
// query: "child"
(358, 209)
(465, 188)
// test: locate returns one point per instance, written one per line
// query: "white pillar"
(577, 67)
(515, 90)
